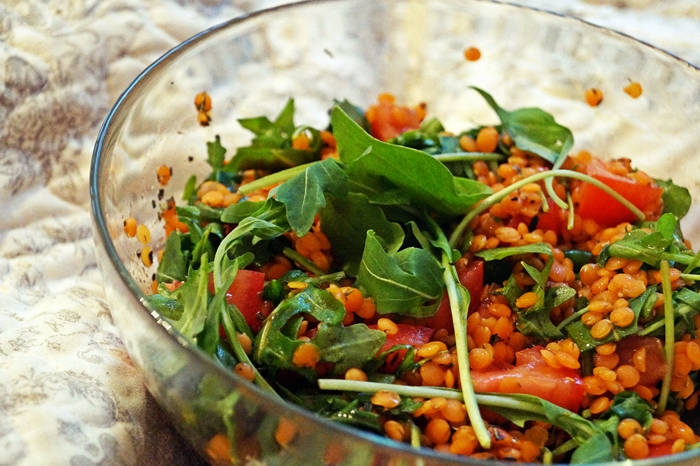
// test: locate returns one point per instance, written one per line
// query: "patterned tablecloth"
(68, 392)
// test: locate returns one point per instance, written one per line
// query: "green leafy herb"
(305, 194)
(408, 282)
(346, 223)
(424, 180)
(533, 130)
(676, 198)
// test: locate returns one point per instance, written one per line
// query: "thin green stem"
(576, 315)
(269, 180)
(304, 262)
(669, 337)
(485, 204)
(241, 355)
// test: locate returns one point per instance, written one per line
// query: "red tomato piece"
(533, 376)
(661, 449)
(596, 204)
(246, 294)
(387, 120)
(471, 276)
(655, 361)
(552, 219)
(413, 335)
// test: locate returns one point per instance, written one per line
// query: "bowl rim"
(104, 240)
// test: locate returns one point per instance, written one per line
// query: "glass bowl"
(354, 49)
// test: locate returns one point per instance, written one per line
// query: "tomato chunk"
(413, 335)
(533, 376)
(654, 360)
(246, 294)
(596, 204)
(471, 276)
(387, 120)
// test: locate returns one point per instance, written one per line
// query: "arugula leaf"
(194, 296)
(304, 195)
(271, 147)
(676, 199)
(173, 264)
(346, 222)
(348, 347)
(276, 341)
(502, 253)
(408, 282)
(216, 153)
(533, 130)
(535, 321)
(662, 243)
(355, 113)
(426, 181)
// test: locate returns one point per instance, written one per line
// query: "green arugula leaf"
(276, 342)
(305, 194)
(663, 243)
(424, 180)
(271, 147)
(355, 113)
(533, 130)
(346, 223)
(173, 264)
(216, 154)
(194, 296)
(502, 253)
(348, 347)
(676, 199)
(408, 282)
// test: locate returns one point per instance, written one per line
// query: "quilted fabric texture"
(68, 392)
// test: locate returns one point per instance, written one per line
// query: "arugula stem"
(468, 156)
(693, 263)
(564, 447)
(494, 198)
(275, 178)
(668, 336)
(572, 318)
(292, 255)
(548, 183)
(690, 276)
(238, 351)
(458, 307)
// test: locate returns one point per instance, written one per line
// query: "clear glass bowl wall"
(355, 49)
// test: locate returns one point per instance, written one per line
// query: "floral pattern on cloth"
(69, 394)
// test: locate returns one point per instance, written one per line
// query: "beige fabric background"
(68, 392)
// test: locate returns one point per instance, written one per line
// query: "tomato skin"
(533, 376)
(471, 276)
(656, 365)
(413, 335)
(598, 205)
(552, 219)
(246, 294)
(388, 120)
(661, 449)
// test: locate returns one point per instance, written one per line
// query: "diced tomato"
(413, 335)
(246, 294)
(533, 376)
(661, 449)
(596, 204)
(552, 219)
(655, 361)
(387, 120)
(471, 276)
